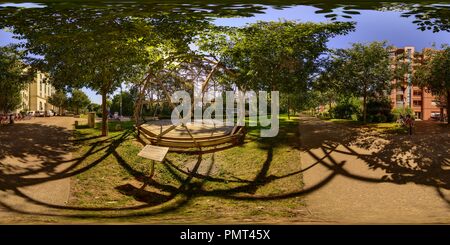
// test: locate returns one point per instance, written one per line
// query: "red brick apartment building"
(425, 105)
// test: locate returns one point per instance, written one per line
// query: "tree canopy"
(78, 100)
(434, 74)
(60, 100)
(363, 71)
(98, 48)
(14, 76)
(282, 56)
(124, 102)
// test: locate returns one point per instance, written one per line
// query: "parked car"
(49, 113)
(31, 113)
(68, 113)
(435, 115)
(39, 113)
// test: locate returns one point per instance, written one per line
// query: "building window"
(418, 115)
(399, 98)
(40, 106)
(417, 93)
(417, 103)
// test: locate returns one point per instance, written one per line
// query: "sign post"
(154, 153)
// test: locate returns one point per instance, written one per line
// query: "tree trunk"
(448, 106)
(104, 115)
(365, 109)
(140, 100)
(288, 108)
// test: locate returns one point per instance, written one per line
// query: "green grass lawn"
(253, 182)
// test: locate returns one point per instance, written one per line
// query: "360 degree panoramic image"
(234, 112)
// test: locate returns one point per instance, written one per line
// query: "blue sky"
(371, 26)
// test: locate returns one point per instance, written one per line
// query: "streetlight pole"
(120, 99)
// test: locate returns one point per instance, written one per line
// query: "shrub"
(344, 110)
(324, 115)
(379, 111)
(402, 111)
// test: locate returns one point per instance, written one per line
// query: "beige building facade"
(35, 95)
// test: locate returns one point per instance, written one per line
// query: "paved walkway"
(34, 154)
(361, 177)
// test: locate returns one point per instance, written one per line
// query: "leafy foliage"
(78, 100)
(127, 99)
(398, 112)
(364, 71)
(59, 99)
(14, 76)
(346, 108)
(99, 48)
(272, 55)
(434, 74)
(379, 111)
(283, 56)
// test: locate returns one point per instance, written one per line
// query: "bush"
(162, 111)
(344, 110)
(324, 115)
(379, 111)
(402, 111)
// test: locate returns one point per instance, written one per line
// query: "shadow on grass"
(326, 137)
(190, 183)
(177, 195)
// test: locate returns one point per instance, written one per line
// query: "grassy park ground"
(77, 176)
(233, 185)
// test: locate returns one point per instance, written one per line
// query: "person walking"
(409, 122)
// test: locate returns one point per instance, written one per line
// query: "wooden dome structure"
(200, 137)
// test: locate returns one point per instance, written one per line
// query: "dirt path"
(34, 154)
(358, 176)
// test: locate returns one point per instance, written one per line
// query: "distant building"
(35, 95)
(423, 102)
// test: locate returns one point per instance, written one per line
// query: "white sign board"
(152, 152)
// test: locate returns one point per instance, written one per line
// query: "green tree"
(434, 74)
(60, 100)
(127, 99)
(99, 48)
(364, 71)
(93, 107)
(273, 55)
(78, 100)
(283, 56)
(13, 78)
(330, 89)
